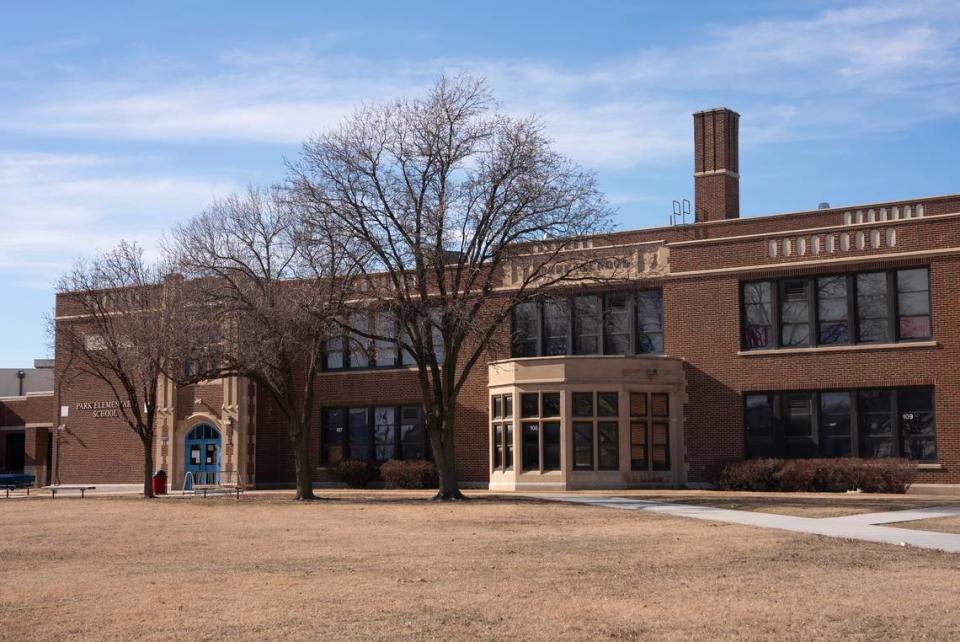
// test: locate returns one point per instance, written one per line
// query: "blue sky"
(120, 119)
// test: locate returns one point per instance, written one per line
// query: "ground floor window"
(539, 431)
(649, 431)
(884, 422)
(596, 430)
(375, 433)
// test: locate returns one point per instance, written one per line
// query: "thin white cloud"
(837, 72)
(59, 207)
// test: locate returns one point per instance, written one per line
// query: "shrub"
(414, 473)
(885, 475)
(751, 474)
(356, 473)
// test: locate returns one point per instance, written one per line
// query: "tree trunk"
(147, 468)
(441, 441)
(301, 455)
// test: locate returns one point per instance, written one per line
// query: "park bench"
(16, 482)
(220, 482)
(68, 487)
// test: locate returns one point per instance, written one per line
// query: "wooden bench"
(55, 489)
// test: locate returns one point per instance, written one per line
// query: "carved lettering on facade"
(593, 264)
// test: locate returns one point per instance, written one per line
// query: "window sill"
(863, 347)
(929, 466)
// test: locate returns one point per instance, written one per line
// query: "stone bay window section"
(586, 422)
(625, 322)
(877, 307)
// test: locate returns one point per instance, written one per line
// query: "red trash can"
(160, 482)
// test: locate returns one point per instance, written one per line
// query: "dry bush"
(887, 475)
(356, 473)
(415, 473)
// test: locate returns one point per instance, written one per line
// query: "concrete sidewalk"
(862, 527)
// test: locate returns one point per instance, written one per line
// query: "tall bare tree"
(118, 323)
(452, 215)
(247, 266)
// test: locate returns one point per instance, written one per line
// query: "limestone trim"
(844, 348)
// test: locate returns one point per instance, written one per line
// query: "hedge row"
(415, 473)
(887, 475)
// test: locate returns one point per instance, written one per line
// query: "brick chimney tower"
(716, 166)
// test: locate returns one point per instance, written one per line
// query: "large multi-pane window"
(352, 351)
(867, 307)
(614, 323)
(595, 430)
(371, 433)
(887, 422)
(539, 431)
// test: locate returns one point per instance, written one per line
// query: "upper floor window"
(614, 323)
(353, 351)
(867, 307)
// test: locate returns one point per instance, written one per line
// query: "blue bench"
(14, 482)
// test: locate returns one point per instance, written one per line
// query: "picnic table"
(68, 487)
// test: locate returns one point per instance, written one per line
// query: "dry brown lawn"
(814, 505)
(940, 524)
(394, 565)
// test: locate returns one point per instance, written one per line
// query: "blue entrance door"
(202, 454)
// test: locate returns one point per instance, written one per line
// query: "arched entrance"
(202, 454)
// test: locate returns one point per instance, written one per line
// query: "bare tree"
(263, 314)
(451, 215)
(118, 320)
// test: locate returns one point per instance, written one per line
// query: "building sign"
(620, 262)
(103, 409)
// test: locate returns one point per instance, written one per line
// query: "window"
(607, 404)
(551, 404)
(582, 404)
(758, 315)
(556, 327)
(358, 433)
(334, 353)
(371, 434)
(384, 433)
(617, 323)
(919, 438)
(913, 304)
(649, 431)
(385, 352)
(614, 323)
(842, 423)
(835, 436)
(551, 445)
(526, 330)
(529, 404)
(832, 310)
(332, 435)
(530, 442)
(761, 433)
(873, 322)
(413, 436)
(799, 428)
(869, 307)
(583, 445)
(607, 449)
(587, 325)
(649, 322)
(352, 351)
(501, 415)
(795, 313)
